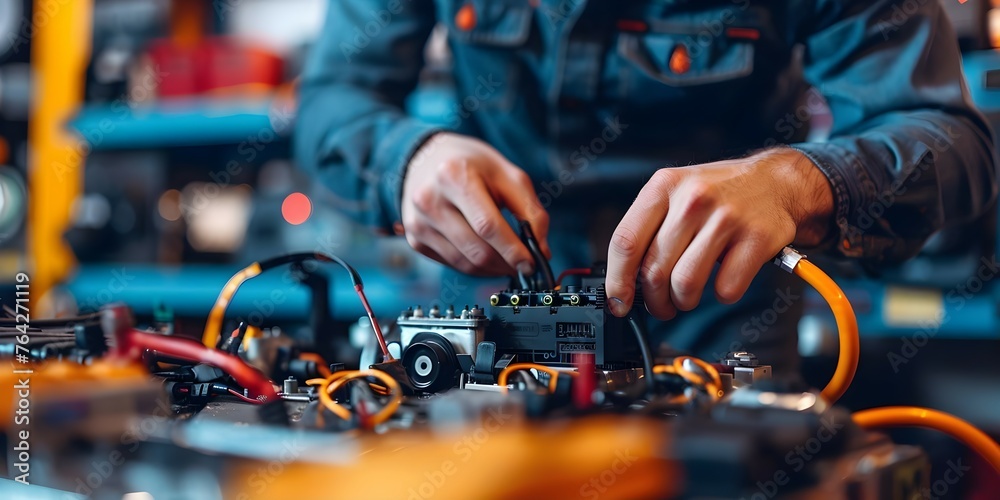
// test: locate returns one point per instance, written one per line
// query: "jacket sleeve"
(908, 152)
(352, 133)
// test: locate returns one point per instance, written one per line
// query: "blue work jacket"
(590, 97)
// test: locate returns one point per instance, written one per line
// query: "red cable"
(247, 376)
(576, 271)
(130, 343)
(371, 317)
(584, 385)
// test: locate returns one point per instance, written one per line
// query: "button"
(465, 19)
(680, 60)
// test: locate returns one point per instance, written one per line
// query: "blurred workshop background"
(145, 152)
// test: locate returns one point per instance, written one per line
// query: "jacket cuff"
(394, 154)
(842, 169)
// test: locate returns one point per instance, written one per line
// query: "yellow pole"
(60, 49)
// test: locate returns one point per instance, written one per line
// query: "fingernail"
(525, 268)
(618, 307)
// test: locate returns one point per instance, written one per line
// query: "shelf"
(190, 290)
(181, 122)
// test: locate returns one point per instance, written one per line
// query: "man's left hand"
(740, 213)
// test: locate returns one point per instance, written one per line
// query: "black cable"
(541, 263)
(304, 256)
(526, 283)
(298, 257)
(234, 345)
(647, 358)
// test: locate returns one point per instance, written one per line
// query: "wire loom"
(213, 326)
(130, 339)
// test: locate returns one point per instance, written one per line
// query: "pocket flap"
(710, 59)
(490, 22)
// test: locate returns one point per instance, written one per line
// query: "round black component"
(431, 363)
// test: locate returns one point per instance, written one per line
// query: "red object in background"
(983, 483)
(296, 208)
(229, 63)
(176, 67)
(216, 65)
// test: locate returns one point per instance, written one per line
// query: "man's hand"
(453, 192)
(738, 212)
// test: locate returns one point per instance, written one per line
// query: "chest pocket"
(695, 64)
(487, 39)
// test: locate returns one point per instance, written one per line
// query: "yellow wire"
(695, 378)
(210, 337)
(713, 387)
(912, 416)
(553, 374)
(336, 380)
(847, 325)
(252, 332)
(324, 395)
(321, 365)
(395, 393)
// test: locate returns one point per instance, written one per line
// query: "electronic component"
(536, 356)
(437, 347)
(548, 327)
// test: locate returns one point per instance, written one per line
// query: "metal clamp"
(788, 259)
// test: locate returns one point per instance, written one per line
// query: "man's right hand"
(454, 189)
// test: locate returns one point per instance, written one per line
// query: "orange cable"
(847, 326)
(912, 416)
